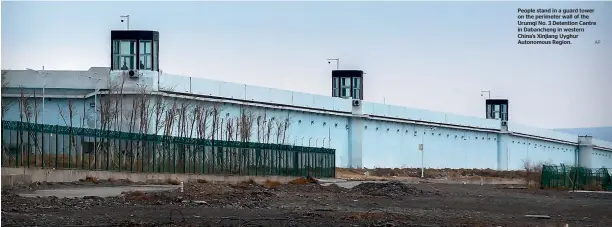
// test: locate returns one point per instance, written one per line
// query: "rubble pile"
(391, 189)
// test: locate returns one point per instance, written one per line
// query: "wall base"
(15, 176)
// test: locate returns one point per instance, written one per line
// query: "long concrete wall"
(369, 135)
(16, 176)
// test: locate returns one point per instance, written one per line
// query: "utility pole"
(43, 93)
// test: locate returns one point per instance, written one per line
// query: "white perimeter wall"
(372, 135)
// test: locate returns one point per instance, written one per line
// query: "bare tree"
(280, 125)
(269, 127)
(259, 128)
(216, 131)
(139, 117)
(246, 125)
(25, 109)
(109, 119)
(286, 127)
(159, 107)
(185, 122)
(169, 124)
(202, 113)
(68, 121)
(229, 129)
(34, 134)
(6, 104)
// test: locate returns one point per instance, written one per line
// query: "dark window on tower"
(504, 112)
(146, 56)
(124, 54)
(356, 88)
(335, 86)
(345, 86)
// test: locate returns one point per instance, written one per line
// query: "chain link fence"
(575, 178)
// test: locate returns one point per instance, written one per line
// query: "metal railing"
(61, 147)
(576, 178)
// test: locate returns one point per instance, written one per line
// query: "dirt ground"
(388, 203)
(388, 173)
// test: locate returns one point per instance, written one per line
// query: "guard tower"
(135, 59)
(347, 84)
(497, 109)
(134, 51)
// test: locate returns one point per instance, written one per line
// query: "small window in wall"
(146, 57)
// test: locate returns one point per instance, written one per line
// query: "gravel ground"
(368, 204)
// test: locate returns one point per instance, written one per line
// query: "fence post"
(334, 165)
(108, 150)
(82, 151)
(70, 149)
(18, 158)
(29, 145)
(131, 152)
(203, 146)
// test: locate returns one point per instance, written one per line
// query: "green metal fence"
(576, 178)
(61, 147)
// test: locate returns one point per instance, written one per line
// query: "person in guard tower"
(124, 67)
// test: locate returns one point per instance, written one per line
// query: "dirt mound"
(271, 184)
(333, 188)
(390, 189)
(304, 180)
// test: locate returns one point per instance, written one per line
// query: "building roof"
(95, 77)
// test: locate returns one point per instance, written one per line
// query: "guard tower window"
(134, 50)
(346, 87)
(347, 84)
(496, 112)
(146, 57)
(497, 109)
(335, 87)
(356, 88)
(504, 112)
(124, 53)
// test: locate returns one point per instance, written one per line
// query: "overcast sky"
(429, 55)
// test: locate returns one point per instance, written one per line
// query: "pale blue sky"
(428, 55)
